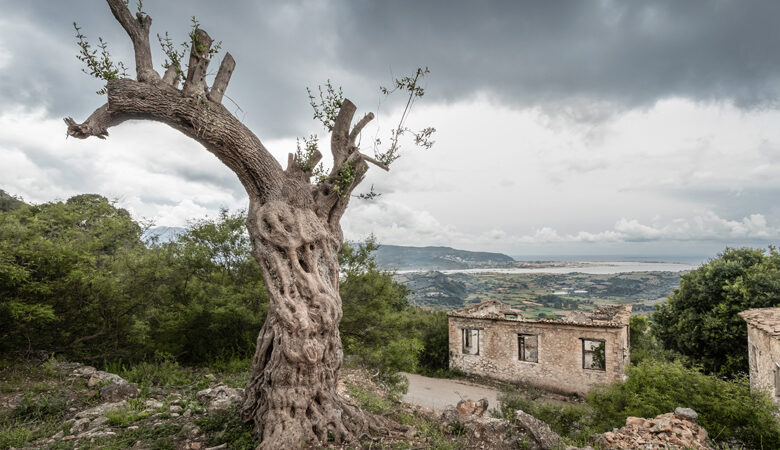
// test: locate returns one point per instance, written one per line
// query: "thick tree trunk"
(291, 395)
(294, 228)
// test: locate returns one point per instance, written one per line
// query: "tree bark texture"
(294, 230)
(291, 395)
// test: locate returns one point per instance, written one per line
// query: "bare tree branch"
(210, 124)
(138, 30)
(223, 78)
(171, 76)
(374, 162)
(199, 62)
(339, 138)
(359, 127)
(96, 124)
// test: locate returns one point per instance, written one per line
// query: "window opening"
(594, 354)
(470, 341)
(528, 347)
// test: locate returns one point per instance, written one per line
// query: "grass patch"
(368, 400)
(162, 373)
(127, 416)
(226, 427)
(437, 436)
(32, 419)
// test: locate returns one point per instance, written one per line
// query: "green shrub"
(727, 409)
(368, 400)
(573, 422)
(165, 371)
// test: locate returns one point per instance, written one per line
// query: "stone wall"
(560, 355)
(764, 356)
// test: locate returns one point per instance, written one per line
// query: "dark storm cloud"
(562, 55)
(628, 53)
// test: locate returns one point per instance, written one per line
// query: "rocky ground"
(62, 405)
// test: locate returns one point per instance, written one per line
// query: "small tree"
(700, 319)
(293, 223)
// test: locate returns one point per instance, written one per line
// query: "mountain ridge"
(400, 257)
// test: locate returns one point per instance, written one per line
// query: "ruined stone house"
(572, 354)
(763, 325)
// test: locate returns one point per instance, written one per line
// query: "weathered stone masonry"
(568, 355)
(764, 349)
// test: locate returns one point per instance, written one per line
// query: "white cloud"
(512, 179)
(707, 226)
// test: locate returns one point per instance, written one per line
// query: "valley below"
(445, 278)
(541, 294)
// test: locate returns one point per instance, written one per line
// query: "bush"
(727, 409)
(573, 422)
(700, 319)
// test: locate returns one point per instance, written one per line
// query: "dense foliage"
(60, 266)
(727, 409)
(380, 329)
(700, 319)
(658, 383)
(77, 278)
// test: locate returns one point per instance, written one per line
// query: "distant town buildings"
(763, 326)
(569, 355)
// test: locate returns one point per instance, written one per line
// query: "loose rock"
(99, 376)
(119, 391)
(80, 425)
(686, 414)
(541, 433)
(221, 397)
(477, 408)
(101, 409)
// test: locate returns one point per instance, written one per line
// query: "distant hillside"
(436, 258)
(8, 201)
(434, 289)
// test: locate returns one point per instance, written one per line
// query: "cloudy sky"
(580, 127)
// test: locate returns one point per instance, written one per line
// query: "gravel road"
(438, 393)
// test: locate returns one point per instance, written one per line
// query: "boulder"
(101, 410)
(220, 397)
(83, 371)
(153, 404)
(98, 422)
(119, 391)
(477, 408)
(492, 433)
(540, 432)
(99, 376)
(686, 414)
(80, 425)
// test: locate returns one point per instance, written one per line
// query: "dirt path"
(438, 393)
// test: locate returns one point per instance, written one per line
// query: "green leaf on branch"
(99, 65)
(328, 106)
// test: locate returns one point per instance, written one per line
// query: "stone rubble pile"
(667, 431)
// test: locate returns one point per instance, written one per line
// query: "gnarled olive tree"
(293, 225)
